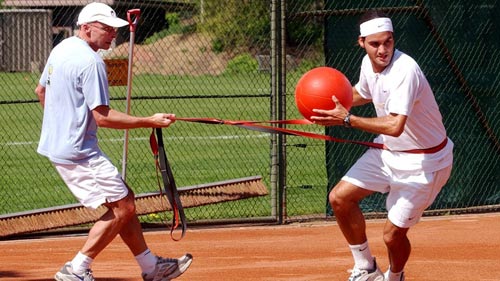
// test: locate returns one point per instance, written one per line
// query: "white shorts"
(94, 182)
(410, 192)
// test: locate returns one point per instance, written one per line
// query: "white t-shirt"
(403, 89)
(76, 82)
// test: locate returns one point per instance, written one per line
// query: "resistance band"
(257, 126)
(162, 164)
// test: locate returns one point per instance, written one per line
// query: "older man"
(74, 93)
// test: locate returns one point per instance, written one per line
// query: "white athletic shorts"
(410, 192)
(94, 182)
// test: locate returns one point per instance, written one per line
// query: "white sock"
(81, 263)
(362, 256)
(391, 276)
(147, 261)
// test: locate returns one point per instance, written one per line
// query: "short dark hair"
(372, 14)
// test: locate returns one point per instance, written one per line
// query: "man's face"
(380, 48)
(101, 35)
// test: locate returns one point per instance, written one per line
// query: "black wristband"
(347, 120)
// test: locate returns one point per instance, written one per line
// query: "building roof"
(51, 3)
(55, 3)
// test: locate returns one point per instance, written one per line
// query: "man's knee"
(124, 208)
(129, 206)
(334, 199)
(345, 194)
(394, 235)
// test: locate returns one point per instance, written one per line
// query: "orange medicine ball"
(316, 88)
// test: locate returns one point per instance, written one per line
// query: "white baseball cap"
(102, 13)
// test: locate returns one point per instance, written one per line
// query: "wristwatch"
(347, 120)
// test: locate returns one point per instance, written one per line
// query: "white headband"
(374, 26)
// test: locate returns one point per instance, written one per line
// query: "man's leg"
(131, 233)
(398, 246)
(133, 237)
(119, 214)
(344, 199)
(153, 267)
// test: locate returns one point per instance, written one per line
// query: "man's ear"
(361, 42)
(85, 27)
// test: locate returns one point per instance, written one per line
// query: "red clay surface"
(444, 248)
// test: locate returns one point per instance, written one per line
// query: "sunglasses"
(107, 29)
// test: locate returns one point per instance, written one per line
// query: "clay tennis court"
(465, 247)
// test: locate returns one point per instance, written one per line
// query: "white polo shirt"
(402, 88)
(76, 82)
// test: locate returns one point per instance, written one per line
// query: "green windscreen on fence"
(456, 43)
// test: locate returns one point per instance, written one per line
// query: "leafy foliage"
(243, 63)
(240, 23)
(175, 26)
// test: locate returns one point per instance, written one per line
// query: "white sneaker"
(66, 274)
(365, 275)
(168, 268)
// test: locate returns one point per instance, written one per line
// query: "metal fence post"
(274, 157)
(278, 108)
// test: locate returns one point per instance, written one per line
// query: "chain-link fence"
(240, 60)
